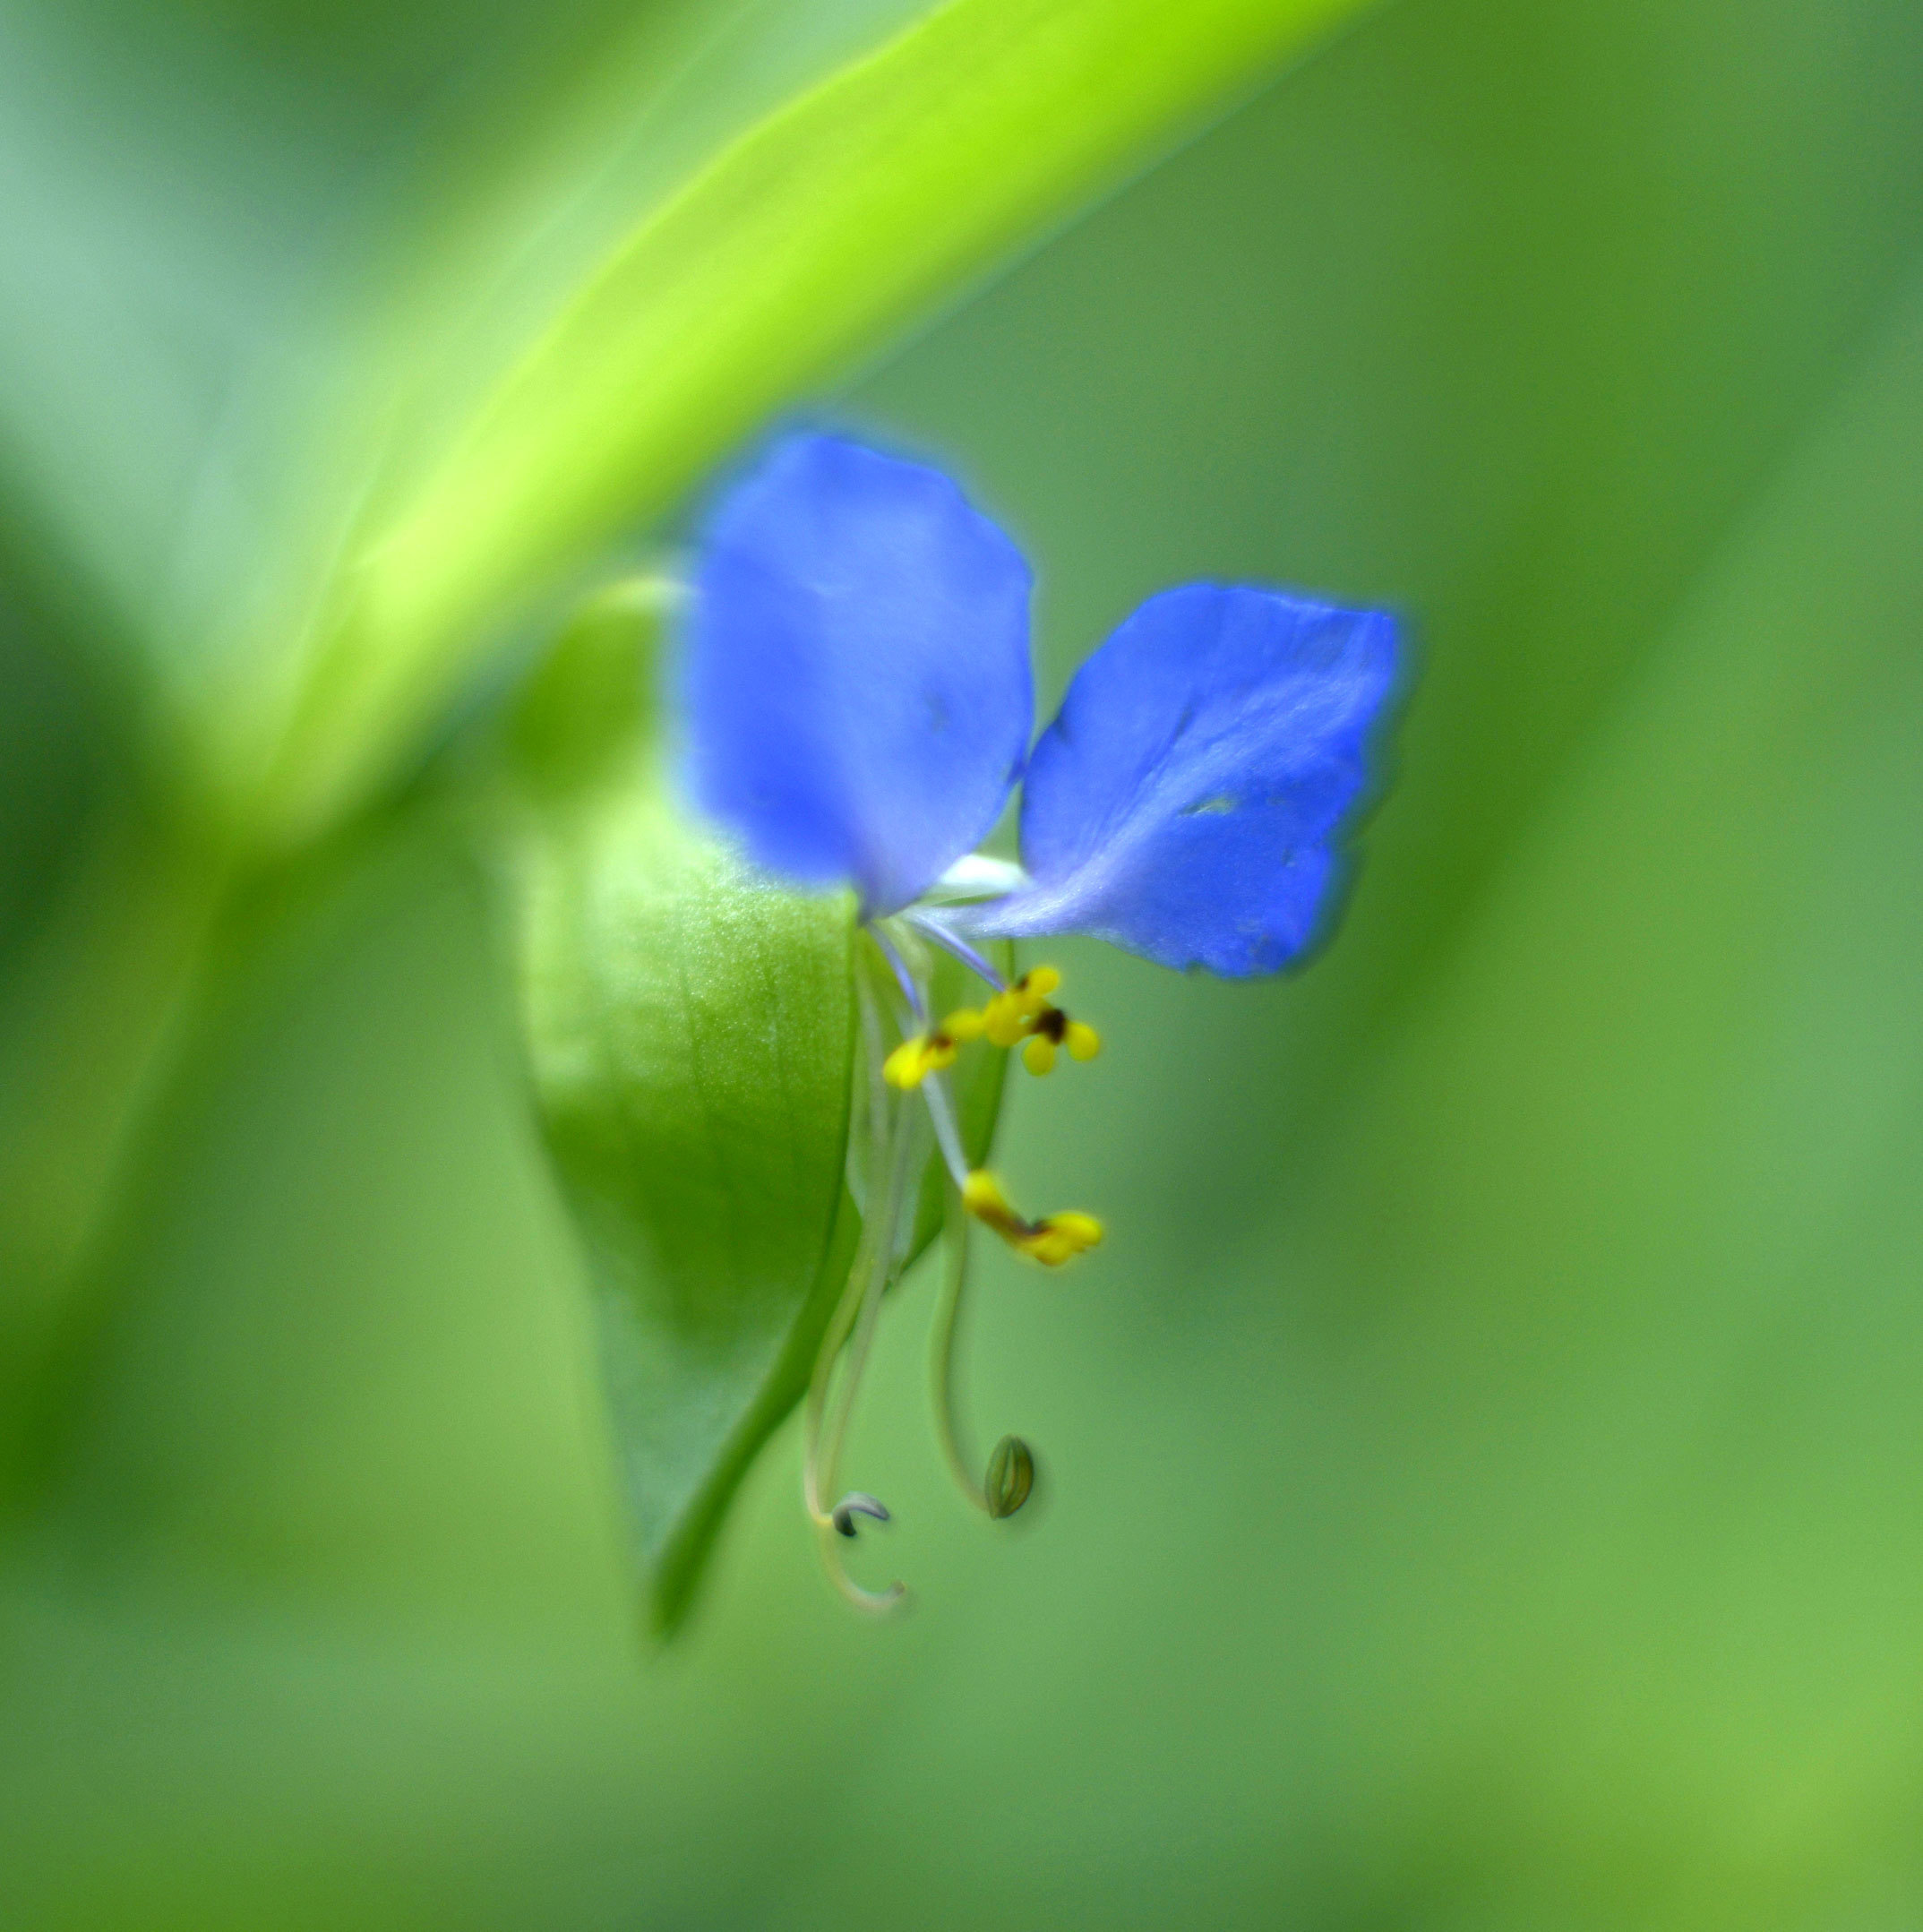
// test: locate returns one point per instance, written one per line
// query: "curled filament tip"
(857, 1503)
(1011, 1469)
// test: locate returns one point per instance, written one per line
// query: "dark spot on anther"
(1052, 1023)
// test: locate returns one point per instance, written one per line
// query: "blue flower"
(857, 701)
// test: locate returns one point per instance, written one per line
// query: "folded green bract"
(690, 1030)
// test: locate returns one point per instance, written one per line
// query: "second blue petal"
(1187, 803)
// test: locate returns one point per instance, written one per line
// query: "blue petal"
(1183, 805)
(855, 679)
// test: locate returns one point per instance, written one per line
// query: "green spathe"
(690, 1033)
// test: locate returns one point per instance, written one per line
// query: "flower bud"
(1011, 1477)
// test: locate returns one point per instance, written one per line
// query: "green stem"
(946, 1346)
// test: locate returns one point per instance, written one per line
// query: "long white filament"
(948, 1129)
(941, 1357)
(886, 1184)
(896, 1148)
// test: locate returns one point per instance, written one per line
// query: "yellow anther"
(1052, 1240)
(1003, 1021)
(1012, 1011)
(1050, 1031)
(1059, 1238)
(983, 1196)
(914, 1060)
(965, 1024)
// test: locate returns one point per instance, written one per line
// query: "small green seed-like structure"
(1011, 1477)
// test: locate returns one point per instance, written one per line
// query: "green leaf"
(795, 247)
(691, 1033)
(334, 344)
(260, 251)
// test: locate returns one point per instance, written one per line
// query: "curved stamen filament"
(883, 1261)
(1011, 1469)
(911, 991)
(895, 1149)
(941, 1357)
(952, 943)
(948, 1129)
(921, 1057)
(888, 1189)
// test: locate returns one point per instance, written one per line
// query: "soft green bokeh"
(1482, 1477)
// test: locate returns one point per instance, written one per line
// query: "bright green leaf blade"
(261, 252)
(798, 246)
(299, 296)
(690, 1030)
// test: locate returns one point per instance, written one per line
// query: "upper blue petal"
(855, 679)
(1184, 803)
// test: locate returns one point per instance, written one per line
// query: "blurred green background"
(1485, 1465)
